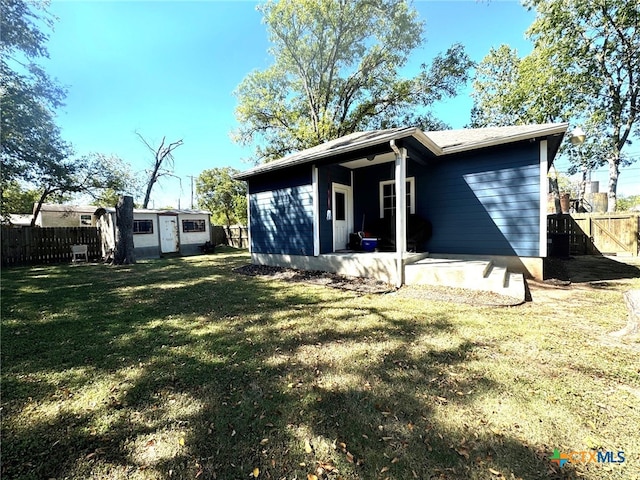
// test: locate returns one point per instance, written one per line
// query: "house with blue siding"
(462, 195)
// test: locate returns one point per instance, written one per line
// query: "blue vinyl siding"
(485, 203)
(282, 221)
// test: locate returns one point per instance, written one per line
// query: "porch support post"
(401, 210)
(316, 210)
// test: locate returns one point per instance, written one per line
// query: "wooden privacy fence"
(36, 245)
(598, 233)
(236, 236)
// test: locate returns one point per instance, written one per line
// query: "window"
(85, 220)
(341, 203)
(142, 226)
(189, 226)
(388, 197)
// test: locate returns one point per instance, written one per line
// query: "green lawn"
(180, 368)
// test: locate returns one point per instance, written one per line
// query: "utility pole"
(191, 177)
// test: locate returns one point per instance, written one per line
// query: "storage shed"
(158, 232)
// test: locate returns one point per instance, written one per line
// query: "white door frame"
(347, 190)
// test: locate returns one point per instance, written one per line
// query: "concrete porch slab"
(471, 274)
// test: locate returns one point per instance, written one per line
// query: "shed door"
(168, 233)
(342, 216)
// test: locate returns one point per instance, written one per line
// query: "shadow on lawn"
(212, 374)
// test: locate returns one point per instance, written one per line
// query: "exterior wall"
(367, 191)
(190, 242)
(65, 218)
(147, 245)
(281, 213)
(484, 202)
(326, 176)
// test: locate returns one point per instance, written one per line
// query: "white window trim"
(412, 194)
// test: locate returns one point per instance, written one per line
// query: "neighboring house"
(55, 215)
(157, 232)
(465, 194)
(17, 220)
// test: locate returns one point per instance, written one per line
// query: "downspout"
(401, 209)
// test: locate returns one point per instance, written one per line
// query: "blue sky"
(170, 68)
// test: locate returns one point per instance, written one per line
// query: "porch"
(417, 269)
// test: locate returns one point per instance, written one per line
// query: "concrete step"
(472, 274)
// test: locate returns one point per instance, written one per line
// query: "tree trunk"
(614, 171)
(124, 254)
(36, 210)
(632, 301)
(556, 194)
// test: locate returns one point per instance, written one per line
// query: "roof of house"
(102, 210)
(55, 207)
(438, 143)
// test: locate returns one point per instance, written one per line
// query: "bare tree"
(162, 163)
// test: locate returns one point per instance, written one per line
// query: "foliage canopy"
(222, 195)
(584, 69)
(336, 70)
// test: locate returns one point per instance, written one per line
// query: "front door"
(342, 216)
(168, 233)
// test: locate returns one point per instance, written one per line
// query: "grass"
(180, 368)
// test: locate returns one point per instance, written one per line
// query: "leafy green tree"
(31, 141)
(336, 71)
(90, 175)
(18, 199)
(584, 68)
(626, 203)
(222, 195)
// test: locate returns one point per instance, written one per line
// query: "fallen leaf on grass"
(327, 467)
(311, 476)
(151, 442)
(495, 472)
(384, 469)
(256, 472)
(463, 452)
(264, 441)
(307, 446)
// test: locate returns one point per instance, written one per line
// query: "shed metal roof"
(437, 143)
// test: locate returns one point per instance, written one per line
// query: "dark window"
(341, 201)
(143, 226)
(388, 198)
(189, 226)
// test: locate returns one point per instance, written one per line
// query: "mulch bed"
(356, 284)
(371, 286)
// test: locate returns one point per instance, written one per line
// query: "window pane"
(142, 226)
(340, 206)
(189, 226)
